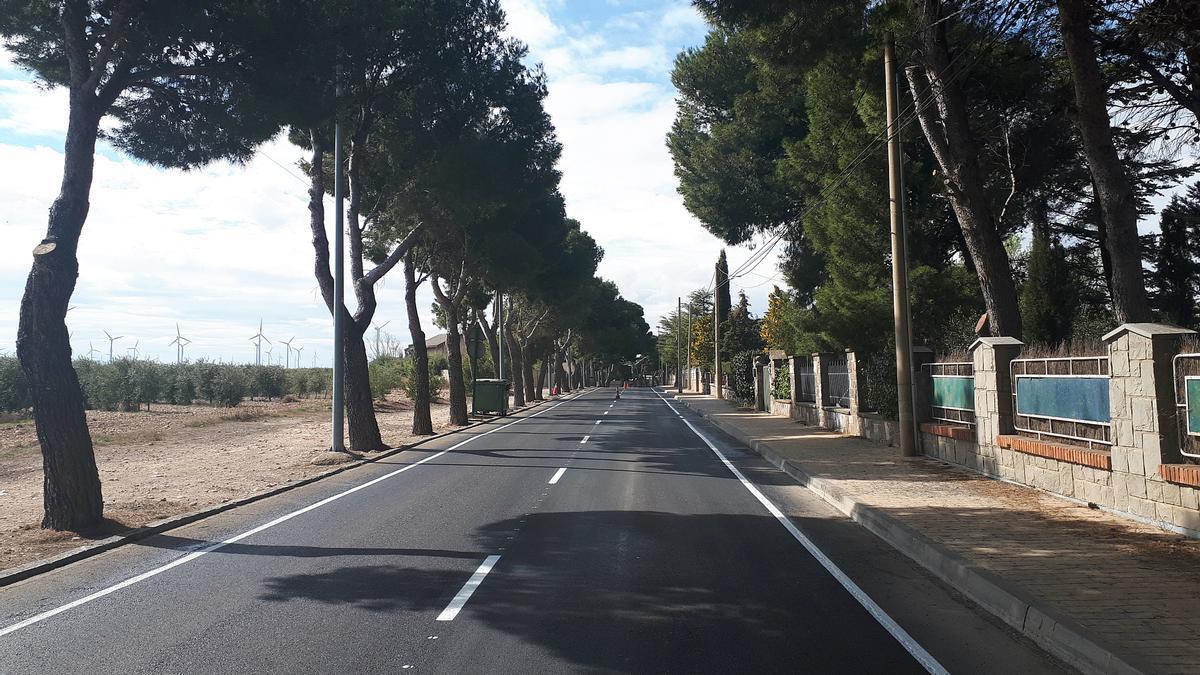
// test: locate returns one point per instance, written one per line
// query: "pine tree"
(1176, 275)
(1047, 299)
(741, 332)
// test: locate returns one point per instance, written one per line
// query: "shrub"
(146, 383)
(437, 383)
(386, 374)
(228, 386)
(741, 375)
(879, 377)
(14, 391)
(783, 383)
(267, 382)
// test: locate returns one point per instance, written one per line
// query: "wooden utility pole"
(717, 341)
(904, 380)
(689, 347)
(678, 347)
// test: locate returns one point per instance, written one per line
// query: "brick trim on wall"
(1181, 474)
(1096, 459)
(958, 433)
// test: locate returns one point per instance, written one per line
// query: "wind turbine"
(134, 349)
(298, 350)
(257, 339)
(269, 350)
(179, 343)
(288, 357)
(377, 331)
(111, 340)
(92, 351)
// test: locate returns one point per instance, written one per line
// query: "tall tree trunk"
(71, 483)
(422, 421)
(947, 130)
(516, 369)
(1102, 239)
(360, 405)
(531, 392)
(1114, 188)
(458, 387)
(541, 377)
(560, 372)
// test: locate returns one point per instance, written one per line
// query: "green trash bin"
(491, 396)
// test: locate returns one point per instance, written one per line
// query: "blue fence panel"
(1067, 398)
(1192, 386)
(954, 392)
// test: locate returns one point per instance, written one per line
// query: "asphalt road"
(521, 550)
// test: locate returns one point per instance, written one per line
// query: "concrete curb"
(15, 574)
(1046, 626)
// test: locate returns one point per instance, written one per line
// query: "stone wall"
(1139, 476)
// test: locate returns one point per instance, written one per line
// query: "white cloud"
(530, 20)
(26, 108)
(612, 104)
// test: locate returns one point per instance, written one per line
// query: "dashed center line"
(597, 422)
(557, 474)
(606, 412)
(585, 440)
(468, 589)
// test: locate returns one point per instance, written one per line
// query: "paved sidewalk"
(1105, 593)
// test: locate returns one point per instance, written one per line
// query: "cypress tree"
(1176, 275)
(1047, 297)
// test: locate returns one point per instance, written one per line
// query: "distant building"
(438, 344)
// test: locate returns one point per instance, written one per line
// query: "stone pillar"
(853, 368)
(922, 386)
(819, 388)
(1145, 429)
(993, 393)
(791, 364)
(758, 398)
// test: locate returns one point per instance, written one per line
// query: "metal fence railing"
(1185, 369)
(837, 383)
(951, 392)
(806, 384)
(1065, 397)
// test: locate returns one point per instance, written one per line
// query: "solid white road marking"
(557, 474)
(585, 439)
(248, 533)
(468, 589)
(906, 641)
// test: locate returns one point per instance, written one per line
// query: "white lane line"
(585, 439)
(557, 474)
(606, 412)
(236, 538)
(468, 589)
(597, 422)
(906, 641)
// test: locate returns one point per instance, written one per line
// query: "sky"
(218, 249)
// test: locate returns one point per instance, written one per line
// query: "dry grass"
(1084, 347)
(953, 356)
(238, 415)
(143, 436)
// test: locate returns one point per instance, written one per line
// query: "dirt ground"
(174, 460)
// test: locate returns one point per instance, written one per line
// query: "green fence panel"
(1070, 398)
(954, 392)
(1193, 405)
